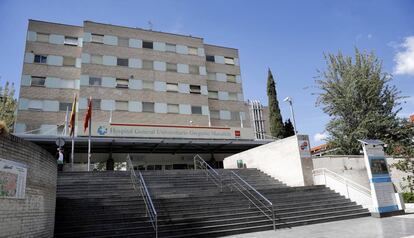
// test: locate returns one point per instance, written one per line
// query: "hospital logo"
(102, 130)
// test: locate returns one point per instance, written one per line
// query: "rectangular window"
(96, 38)
(212, 94)
(196, 110)
(147, 64)
(41, 59)
(229, 60)
(122, 83)
(69, 61)
(65, 106)
(96, 59)
(73, 41)
(170, 48)
(121, 62)
(96, 104)
(233, 96)
(147, 106)
(147, 44)
(171, 67)
(38, 81)
(147, 84)
(194, 69)
(121, 105)
(95, 81)
(35, 105)
(124, 42)
(214, 114)
(196, 89)
(172, 87)
(231, 78)
(172, 108)
(192, 51)
(211, 76)
(210, 58)
(235, 116)
(42, 37)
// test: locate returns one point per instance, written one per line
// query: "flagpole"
(89, 142)
(73, 151)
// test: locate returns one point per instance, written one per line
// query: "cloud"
(404, 58)
(320, 136)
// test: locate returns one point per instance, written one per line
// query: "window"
(171, 67)
(147, 64)
(212, 94)
(196, 89)
(121, 105)
(96, 59)
(196, 110)
(124, 42)
(235, 116)
(65, 106)
(172, 87)
(194, 69)
(231, 78)
(170, 47)
(38, 81)
(42, 37)
(73, 41)
(95, 81)
(147, 106)
(96, 104)
(122, 83)
(148, 84)
(192, 51)
(35, 105)
(211, 76)
(41, 59)
(228, 60)
(122, 62)
(210, 58)
(69, 61)
(214, 114)
(147, 44)
(173, 108)
(97, 38)
(233, 96)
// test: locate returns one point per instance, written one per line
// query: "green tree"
(356, 93)
(275, 118)
(289, 130)
(8, 105)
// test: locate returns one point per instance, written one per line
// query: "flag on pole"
(73, 117)
(88, 115)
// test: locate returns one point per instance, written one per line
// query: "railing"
(344, 186)
(200, 163)
(139, 184)
(256, 198)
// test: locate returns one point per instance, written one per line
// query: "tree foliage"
(357, 95)
(8, 105)
(275, 117)
(289, 130)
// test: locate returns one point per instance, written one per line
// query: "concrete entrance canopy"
(146, 145)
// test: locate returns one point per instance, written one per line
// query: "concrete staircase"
(105, 205)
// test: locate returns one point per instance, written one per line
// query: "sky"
(289, 37)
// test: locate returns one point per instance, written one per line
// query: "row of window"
(227, 60)
(67, 60)
(68, 40)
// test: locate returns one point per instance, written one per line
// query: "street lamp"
(289, 100)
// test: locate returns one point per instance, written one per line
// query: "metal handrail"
(342, 179)
(199, 162)
(254, 196)
(149, 205)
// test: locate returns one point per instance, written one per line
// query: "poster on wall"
(304, 148)
(12, 179)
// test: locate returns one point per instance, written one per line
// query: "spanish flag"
(72, 120)
(88, 115)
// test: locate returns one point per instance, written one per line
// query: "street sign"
(60, 142)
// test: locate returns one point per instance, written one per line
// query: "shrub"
(408, 197)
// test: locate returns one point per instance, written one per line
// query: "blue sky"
(290, 37)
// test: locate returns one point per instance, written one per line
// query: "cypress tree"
(289, 130)
(275, 118)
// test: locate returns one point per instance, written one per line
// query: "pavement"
(367, 227)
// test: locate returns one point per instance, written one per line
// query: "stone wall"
(33, 216)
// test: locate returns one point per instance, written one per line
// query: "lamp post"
(289, 100)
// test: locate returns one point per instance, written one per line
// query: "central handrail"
(254, 196)
(149, 205)
(211, 173)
